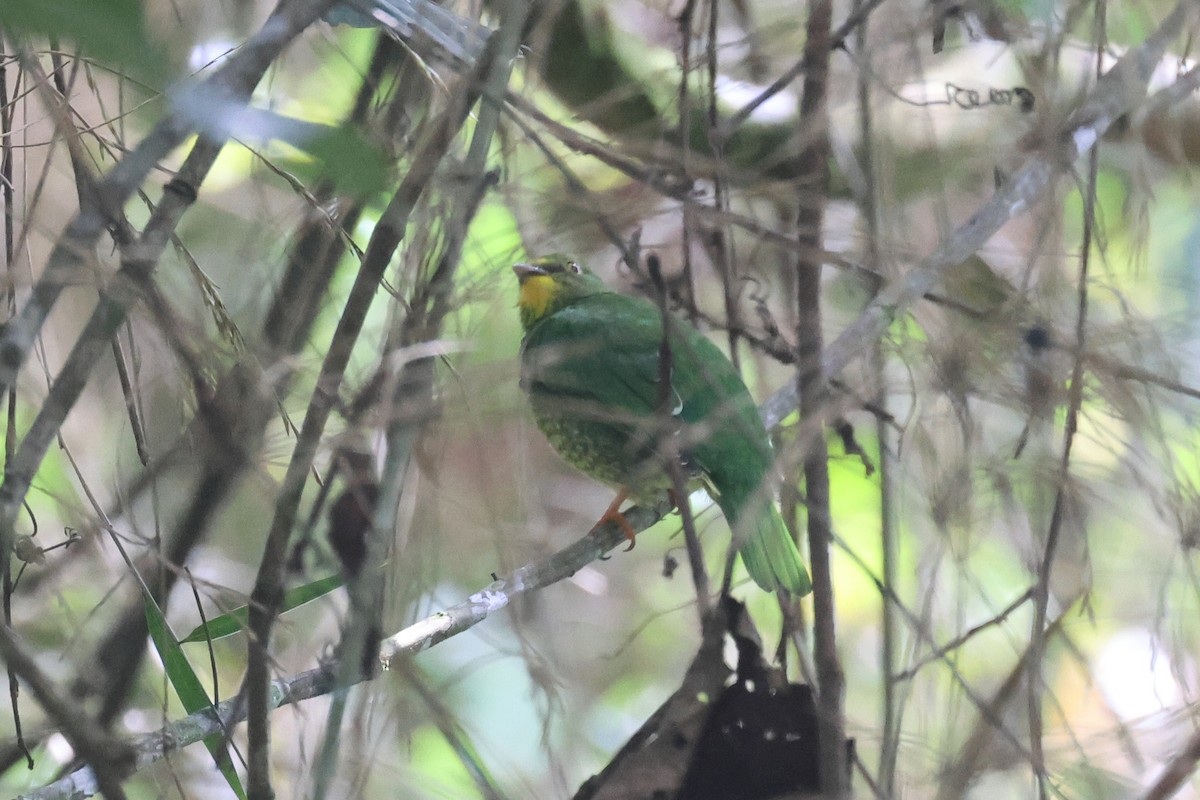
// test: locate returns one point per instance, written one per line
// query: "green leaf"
(112, 30)
(343, 156)
(188, 687)
(235, 621)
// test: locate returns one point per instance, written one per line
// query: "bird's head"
(552, 282)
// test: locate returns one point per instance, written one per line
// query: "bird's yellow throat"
(536, 293)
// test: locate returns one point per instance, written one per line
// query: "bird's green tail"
(768, 551)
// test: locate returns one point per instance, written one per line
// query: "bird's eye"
(574, 267)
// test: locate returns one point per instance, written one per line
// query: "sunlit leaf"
(235, 621)
(343, 156)
(188, 687)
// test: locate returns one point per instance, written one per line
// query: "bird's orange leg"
(613, 514)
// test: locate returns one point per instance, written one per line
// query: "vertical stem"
(666, 428)
(814, 180)
(886, 776)
(890, 630)
(1041, 591)
(688, 290)
(10, 438)
(721, 245)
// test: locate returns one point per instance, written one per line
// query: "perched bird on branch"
(593, 363)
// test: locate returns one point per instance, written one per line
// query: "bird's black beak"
(526, 271)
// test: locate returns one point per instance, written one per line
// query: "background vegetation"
(246, 260)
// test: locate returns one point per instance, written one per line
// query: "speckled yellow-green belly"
(608, 452)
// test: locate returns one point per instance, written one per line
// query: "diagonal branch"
(1121, 90)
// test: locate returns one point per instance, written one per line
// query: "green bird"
(591, 362)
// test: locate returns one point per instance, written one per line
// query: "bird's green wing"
(603, 350)
(599, 359)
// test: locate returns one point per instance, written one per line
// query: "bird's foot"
(613, 514)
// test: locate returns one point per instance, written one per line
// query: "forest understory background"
(257, 270)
